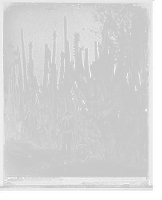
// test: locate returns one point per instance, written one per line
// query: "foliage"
(104, 100)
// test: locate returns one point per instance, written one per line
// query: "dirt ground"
(48, 163)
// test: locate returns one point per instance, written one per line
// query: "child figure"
(67, 130)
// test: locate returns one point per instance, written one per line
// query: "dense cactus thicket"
(97, 110)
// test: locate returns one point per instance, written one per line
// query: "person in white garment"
(82, 152)
(67, 129)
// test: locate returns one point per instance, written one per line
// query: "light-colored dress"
(67, 129)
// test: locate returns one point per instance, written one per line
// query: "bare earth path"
(44, 163)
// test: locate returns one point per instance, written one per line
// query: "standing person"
(67, 129)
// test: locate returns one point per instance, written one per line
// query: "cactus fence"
(109, 106)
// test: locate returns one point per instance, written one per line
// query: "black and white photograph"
(77, 95)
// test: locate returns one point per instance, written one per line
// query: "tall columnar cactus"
(31, 69)
(88, 81)
(24, 67)
(76, 55)
(61, 72)
(50, 93)
(53, 73)
(45, 72)
(31, 114)
(66, 56)
(69, 87)
(66, 84)
(82, 70)
(20, 83)
(76, 41)
(54, 77)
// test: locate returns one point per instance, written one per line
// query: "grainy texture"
(76, 90)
